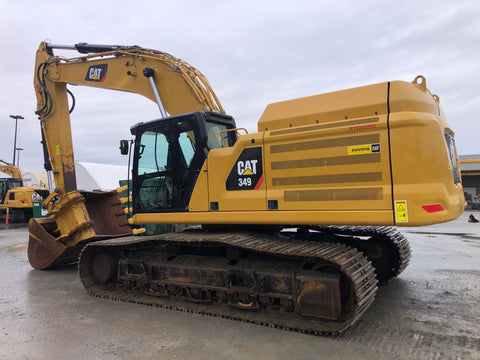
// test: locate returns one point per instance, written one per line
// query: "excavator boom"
(176, 86)
(10, 169)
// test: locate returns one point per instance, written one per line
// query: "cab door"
(167, 162)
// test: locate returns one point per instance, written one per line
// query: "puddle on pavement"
(18, 248)
(431, 234)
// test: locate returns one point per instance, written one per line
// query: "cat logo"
(363, 149)
(247, 172)
(248, 167)
(97, 73)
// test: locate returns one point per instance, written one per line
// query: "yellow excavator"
(16, 197)
(295, 224)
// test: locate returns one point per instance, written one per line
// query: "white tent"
(93, 176)
(35, 179)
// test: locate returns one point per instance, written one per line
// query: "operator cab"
(168, 156)
(7, 184)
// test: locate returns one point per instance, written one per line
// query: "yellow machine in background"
(11, 170)
(14, 196)
(294, 218)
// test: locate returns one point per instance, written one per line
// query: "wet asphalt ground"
(431, 311)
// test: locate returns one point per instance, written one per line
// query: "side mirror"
(124, 147)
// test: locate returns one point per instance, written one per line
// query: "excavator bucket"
(43, 250)
(46, 248)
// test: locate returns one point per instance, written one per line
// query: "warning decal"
(401, 214)
(363, 149)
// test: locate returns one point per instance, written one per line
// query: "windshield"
(215, 136)
(153, 152)
(452, 152)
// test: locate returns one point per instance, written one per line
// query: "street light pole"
(18, 157)
(16, 117)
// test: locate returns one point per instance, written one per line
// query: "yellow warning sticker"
(363, 149)
(57, 148)
(401, 213)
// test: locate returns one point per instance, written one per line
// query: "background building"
(470, 168)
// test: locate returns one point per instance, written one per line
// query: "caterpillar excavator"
(295, 224)
(16, 197)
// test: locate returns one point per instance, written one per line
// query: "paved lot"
(431, 311)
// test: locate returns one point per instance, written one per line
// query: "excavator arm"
(181, 88)
(173, 84)
(11, 170)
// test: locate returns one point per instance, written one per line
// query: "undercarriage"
(308, 280)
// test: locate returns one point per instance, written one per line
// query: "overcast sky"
(252, 52)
